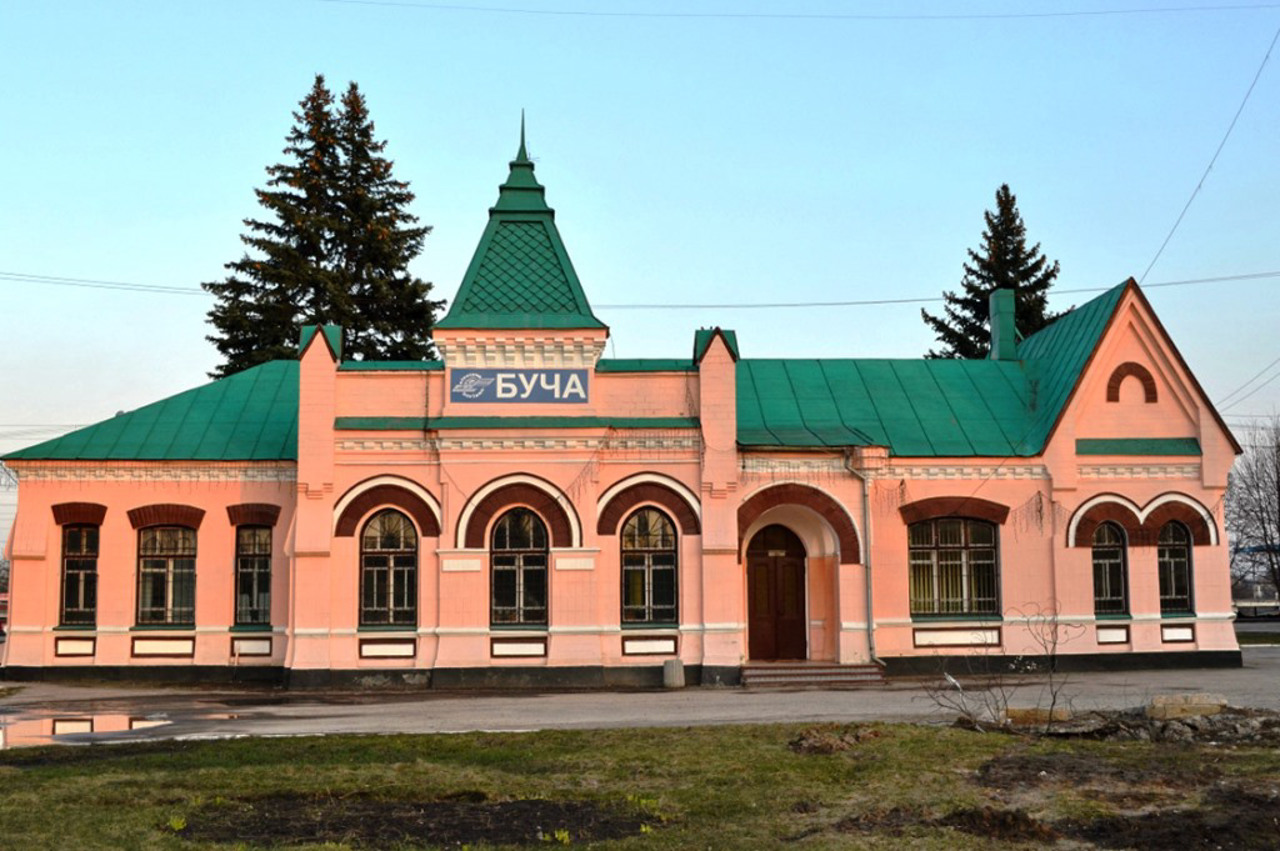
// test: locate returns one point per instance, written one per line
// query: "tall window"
(389, 571)
(519, 565)
(1174, 564)
(253, 575)
(79, 575)
(167, 576)
(953, 567)
(648, 568)
(1110, 573)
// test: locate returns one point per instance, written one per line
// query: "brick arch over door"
(1141, 526)
(1139, 372)
(390, 496)
(166, 514)
(642, 493)
(815, 500)
(954, 506)
(508, 496)
(86, 513)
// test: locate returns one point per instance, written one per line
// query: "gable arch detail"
(648, 488)
(1142, 525)
(541, 496)
(1134, 370)
(387, 491)
(820, 502)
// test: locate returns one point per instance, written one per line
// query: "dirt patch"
(891, 822)
(372, 823)
(1232, 817)
(1006, 825)
(829, 739)
(1019, 770)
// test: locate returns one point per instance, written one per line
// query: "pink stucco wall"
(315, 580)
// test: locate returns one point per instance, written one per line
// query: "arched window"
(648, 568)
(518, 560)
(79, 575)
(389, 571)
(167, 576)
(1174, 563)
(1110, 571)
(953, 567)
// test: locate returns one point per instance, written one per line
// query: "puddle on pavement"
(55, 728)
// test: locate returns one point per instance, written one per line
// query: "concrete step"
(784, 675)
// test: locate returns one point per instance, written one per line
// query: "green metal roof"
(1056, 357)
(645, 365)
(249, 416)
(332, 335)
(520, 275)
(702, 339)
(923, 408)
(390, 365)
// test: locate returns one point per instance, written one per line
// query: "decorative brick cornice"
(82, 513)
(166, 514)
(253, 514)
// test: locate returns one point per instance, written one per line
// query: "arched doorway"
(776, 595)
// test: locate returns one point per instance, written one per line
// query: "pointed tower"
(520, 307)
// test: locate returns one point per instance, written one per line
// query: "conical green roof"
(520, 275)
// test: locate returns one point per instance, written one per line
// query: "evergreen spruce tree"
(335, 250)
(1004, 262)
(376, 239)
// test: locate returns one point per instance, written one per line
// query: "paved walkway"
(28, 716)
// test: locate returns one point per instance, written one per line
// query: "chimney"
(1004, 330)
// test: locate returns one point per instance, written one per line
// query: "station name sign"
(515, 386)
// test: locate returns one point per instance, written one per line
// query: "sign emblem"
(472, 385)
(517, 386)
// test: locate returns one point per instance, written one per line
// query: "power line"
(173, 290)
(801, 16)
(1214, 159)
(1252, 379)
(1251, 392)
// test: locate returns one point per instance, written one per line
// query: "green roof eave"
(1145, 446)
(249, 416)
(492, 422)
(645, 365)
(391, 366)
(481, 321)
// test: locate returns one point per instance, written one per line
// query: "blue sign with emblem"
(515, 386)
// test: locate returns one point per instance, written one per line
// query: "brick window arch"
(1138, 371)
(392, 496)
(655, 493)
(544, 504)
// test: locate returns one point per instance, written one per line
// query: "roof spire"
(522, 156)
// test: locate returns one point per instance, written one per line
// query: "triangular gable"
(1123, 352)
(332, 335)
(249, 416)
(702, 341)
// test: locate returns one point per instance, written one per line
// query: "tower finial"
(523, 155)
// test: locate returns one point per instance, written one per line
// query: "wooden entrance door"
(775, 595)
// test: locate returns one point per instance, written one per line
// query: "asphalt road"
(29, 716)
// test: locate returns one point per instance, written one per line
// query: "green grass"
(702, 787)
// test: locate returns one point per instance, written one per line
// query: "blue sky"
(690, 159)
